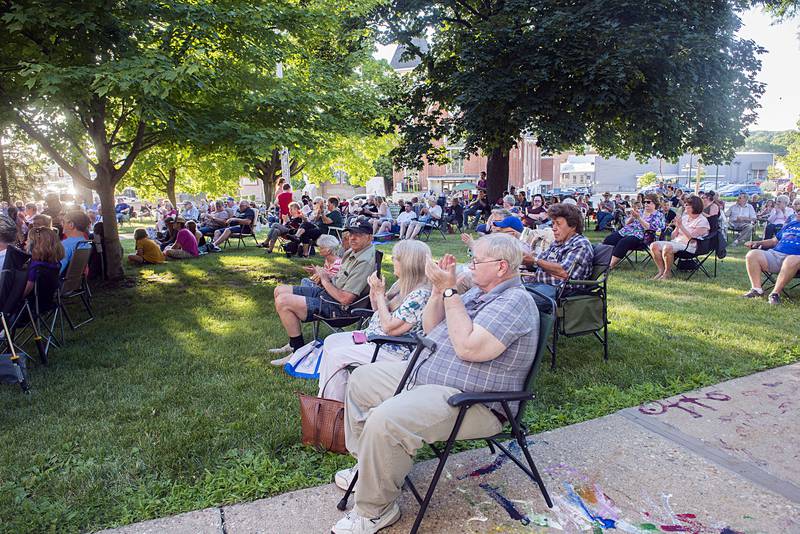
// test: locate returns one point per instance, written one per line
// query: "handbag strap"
(322, 393)
(316, 423)
(335, 423)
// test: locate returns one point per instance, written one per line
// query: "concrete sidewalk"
(723, 459)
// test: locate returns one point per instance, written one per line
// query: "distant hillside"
(776, 142)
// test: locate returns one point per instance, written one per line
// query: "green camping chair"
(583, 304)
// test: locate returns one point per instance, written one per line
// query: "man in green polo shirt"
(298, 304)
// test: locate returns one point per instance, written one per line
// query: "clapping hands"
(442, 274)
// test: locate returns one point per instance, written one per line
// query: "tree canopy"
(103, 82)
(648, 78)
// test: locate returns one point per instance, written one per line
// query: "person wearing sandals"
(398, 311)
(690, 225)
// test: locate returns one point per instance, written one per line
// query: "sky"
(780, 68)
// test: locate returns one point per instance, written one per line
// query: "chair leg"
(343, 501)
(439, 468)
(555, 345)
(523, 444)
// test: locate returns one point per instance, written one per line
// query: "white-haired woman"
(398, 311)
(327, 245)
(432, 214)
(779, 216)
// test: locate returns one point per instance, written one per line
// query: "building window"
(456, 165)
(341, 177)
(411, 183)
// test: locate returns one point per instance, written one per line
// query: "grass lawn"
(167, 402)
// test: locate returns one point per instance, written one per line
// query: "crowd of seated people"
(43, 237)
(486, 340)
(397, 311)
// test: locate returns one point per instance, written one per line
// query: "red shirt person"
(284, 199)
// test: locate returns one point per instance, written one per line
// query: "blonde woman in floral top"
(397, 312)
(632, 235)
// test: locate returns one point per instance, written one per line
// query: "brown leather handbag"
(322, 422)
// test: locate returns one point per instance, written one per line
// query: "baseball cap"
(510, 222)
(361, 228)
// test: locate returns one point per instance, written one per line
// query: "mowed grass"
(167, 402)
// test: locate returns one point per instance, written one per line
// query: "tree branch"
(136, 148)
(123, 115)
(37, 136)
(469, 8)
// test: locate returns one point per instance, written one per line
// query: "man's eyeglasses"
(473, 263)
(648, 202)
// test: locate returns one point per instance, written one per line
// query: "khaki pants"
(339, 352)
(384, 431)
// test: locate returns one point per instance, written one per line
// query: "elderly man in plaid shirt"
(486, 341)
(569, 256)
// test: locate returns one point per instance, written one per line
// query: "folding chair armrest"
(461, 399)
(395, 340)
(358, 303)
(585, 283)
(361, 312)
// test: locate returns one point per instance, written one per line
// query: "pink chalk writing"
(686, 403)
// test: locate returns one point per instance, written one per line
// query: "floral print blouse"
(635, 228)
(410, 311)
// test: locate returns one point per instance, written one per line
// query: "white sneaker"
(343, 478)
(280, 362)
(352, 523)
(281, 350)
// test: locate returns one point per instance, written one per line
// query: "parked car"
(734, 190)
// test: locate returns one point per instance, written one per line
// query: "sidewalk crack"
(222, 520)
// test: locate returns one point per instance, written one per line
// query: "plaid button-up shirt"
(577, 251)
(509, 313)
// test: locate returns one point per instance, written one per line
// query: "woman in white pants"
(397, 312)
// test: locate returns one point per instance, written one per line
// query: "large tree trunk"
(171, 186)
(83, 193)
(496, 174)
(3, 173)
(113, 250)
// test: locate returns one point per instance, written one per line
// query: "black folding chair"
(242, 236)
(13, 363)
(642, 247)
(75, 286)
(464, 401)
(691, 262)
(429, 227)
(355, 313)
(37, 318)
(769, 280)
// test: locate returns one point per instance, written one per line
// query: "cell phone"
(378, 271)
(359, 338)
